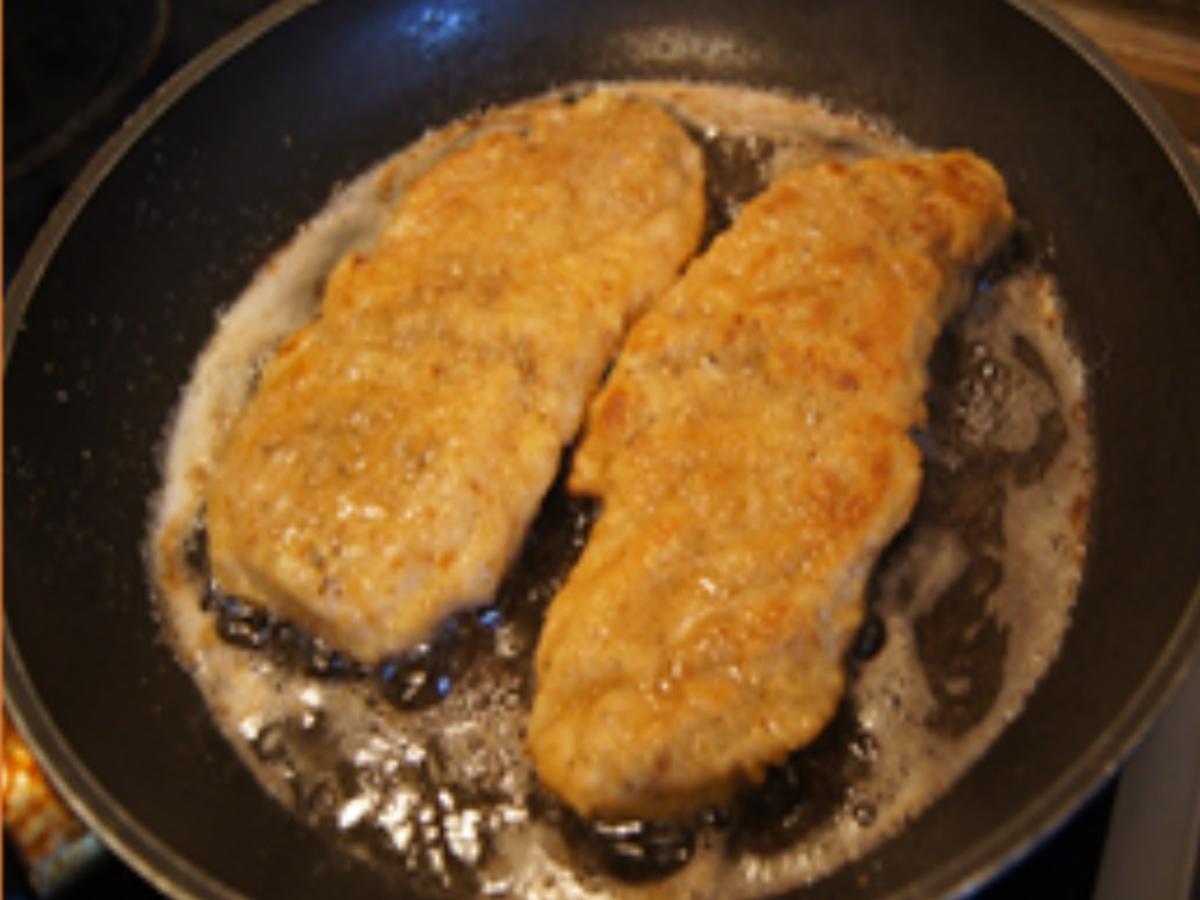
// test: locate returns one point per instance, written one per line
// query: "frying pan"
(173, 216)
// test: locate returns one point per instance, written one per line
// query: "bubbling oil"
(418, 764)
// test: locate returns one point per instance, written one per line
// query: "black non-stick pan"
(172, 218)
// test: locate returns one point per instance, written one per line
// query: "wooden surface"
(1157, 41)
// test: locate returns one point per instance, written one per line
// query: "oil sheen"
(418, 764)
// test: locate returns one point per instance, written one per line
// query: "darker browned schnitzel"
(752, 453)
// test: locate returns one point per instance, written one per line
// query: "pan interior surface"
(420, 762)
(103, 352)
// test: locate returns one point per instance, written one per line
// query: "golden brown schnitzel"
(752, 453)
(384, 474)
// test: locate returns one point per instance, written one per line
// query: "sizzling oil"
(419, 763)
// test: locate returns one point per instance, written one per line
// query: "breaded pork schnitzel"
(752, 454)
(384, 473)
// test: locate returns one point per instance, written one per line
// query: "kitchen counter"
(1157, 41)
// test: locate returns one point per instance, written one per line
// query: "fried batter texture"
(751, 450)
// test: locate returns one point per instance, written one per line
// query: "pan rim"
(1001, 847)
(167, 870)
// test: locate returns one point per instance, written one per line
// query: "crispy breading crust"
(752, 453)
(385, 472)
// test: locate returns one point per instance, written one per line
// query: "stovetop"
(73, 70)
